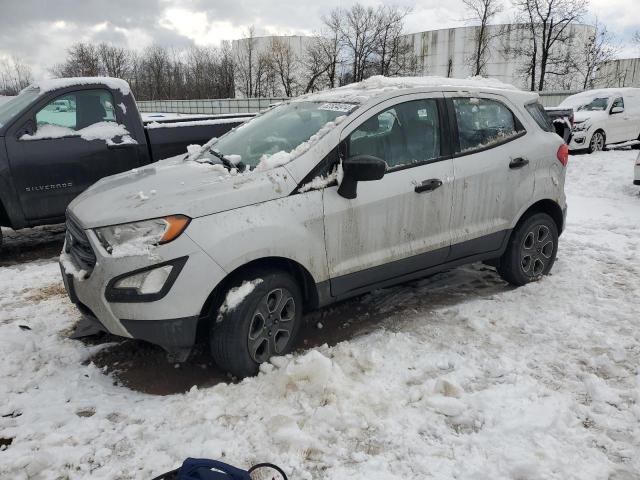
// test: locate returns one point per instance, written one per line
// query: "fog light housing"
(146, 284)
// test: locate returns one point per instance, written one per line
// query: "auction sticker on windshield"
(337, 107)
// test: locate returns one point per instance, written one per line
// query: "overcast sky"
(39, 31)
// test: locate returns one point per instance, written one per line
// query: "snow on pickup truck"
(58, 137)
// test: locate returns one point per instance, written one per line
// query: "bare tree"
(83, 60)
(115, 60)
(246, 63)
(595, 53)
(390, 44)
(14, 76)
(484, 12)
(359, 27)
(286, 65)
(549, 23)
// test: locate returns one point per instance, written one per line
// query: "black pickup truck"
(60, 136)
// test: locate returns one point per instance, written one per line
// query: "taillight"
(563, 154)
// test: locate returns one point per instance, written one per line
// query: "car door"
(618, 123)
(51, 163)
(398, 224)
(494, 167)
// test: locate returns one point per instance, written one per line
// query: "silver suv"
(318, 199)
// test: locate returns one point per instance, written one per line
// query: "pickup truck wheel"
(264, 323)
(597, 142)
(531, 251)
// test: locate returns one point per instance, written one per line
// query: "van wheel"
(597, 142)
(265, 323)
(531, 251)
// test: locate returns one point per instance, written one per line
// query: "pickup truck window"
(483, 123)
(12, 107)
(77, 110)
(401, 135)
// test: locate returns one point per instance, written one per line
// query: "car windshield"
(277, 131)
(595, 105)
(11, 108)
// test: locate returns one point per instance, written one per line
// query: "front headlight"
(581, 127)
(136, 237)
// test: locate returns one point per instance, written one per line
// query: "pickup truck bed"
(60, 136)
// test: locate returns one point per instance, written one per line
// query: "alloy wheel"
(536, 251)
(271, 325)
(597, 142)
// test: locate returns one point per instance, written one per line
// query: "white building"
(624, 72)
(449, 52)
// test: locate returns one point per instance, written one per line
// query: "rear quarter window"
(538, 113)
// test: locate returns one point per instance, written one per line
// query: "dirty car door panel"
(393, 218)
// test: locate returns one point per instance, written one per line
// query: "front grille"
(78, 246)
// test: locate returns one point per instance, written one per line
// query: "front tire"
(531, 251)
(598, 141)
(264, 324)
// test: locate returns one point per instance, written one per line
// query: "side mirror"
(361, 168)
(617, 110)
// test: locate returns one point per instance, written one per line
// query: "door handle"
(518, 163)
(428, 185)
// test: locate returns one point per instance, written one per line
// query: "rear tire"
(264, 324)
(531, 251)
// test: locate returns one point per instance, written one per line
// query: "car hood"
(175, 186)
(581, 116)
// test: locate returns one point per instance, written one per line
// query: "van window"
(539, 114)
(483, 122)
(78, 110)
(618, 102)
(404, 134)
(596, 105)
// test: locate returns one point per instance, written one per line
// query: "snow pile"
(57, 83)
(269, 161)
(453, 376)
(106, 131)
(70, 267)
(373, 86)
(195, 123)
(236, 295)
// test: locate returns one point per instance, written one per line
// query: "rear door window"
(405, 134)
(539, 114)
(484, 123)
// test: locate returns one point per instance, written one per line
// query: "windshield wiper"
(228, 163)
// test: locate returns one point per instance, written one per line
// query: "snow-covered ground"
(463, 378)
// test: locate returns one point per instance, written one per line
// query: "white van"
(603, 117)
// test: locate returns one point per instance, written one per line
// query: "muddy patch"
(45, 293)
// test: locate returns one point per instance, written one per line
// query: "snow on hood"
(582, 115)
(373, 86)
(175, 186)
(56, 83)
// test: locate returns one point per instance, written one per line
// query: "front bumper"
(170, 321)
(579, 140)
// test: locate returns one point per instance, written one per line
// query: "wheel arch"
(298, 271)
(548, 206)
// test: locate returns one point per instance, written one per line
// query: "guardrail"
(211, 106)
(242, 105)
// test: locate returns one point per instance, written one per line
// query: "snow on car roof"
(375, 86)
(50, 84)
